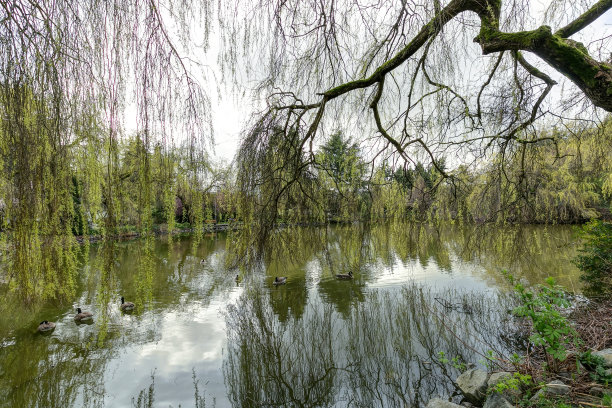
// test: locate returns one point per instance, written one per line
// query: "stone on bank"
(511, 394)
(606, 354)
(473, 385)
(552, 389)
(440, 403)
(496, 400)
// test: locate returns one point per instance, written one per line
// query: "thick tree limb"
(568, 57)
(585, 19)
(434, 26)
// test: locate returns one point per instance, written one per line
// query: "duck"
(237, 279)
(126, 306)
(46, 326)
(345, 275)
(280, 281)
(82, 316)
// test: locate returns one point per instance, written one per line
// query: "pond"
(199, 337)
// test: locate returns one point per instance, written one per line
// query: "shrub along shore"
(568, 358)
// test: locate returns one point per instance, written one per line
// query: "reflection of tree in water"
(146, 396)
(272, 363)
(383, 345)
(384, 354)
(55, 372)
(288, 256)
(290, 299)
(349, 249)
(534, 252)
(171, 271)
(417, 241)
(531, 252)
(67, 368)
(58, 371)
(344, 294)
(145, 272)
(105, 264)
(394, 340)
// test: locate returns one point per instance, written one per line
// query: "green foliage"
(595, 258)
(563, 182)
(515, 383)
(515, 359)
(56, 184)
(541, 305)
(489, 359)
(38, 197)
(596, 365)
(456, 362)
(545, 402)
(341, 173)
(340, 159)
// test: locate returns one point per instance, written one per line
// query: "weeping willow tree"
(563, 182)
(73, 77)
(416, 82)
(413, 82)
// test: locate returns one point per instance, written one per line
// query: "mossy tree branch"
(585, 19)
(428, 31)
(568, 57)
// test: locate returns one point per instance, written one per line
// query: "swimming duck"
(46, 326)
(345, 275)
(126, 306)
(280, 281)
(237, 279)
(82, 316)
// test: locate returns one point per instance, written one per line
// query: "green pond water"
(199, 338)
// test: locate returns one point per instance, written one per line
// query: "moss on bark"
(569, 57)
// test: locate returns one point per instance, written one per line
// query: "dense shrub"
(595, 258)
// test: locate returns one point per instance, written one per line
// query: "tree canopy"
(106, 114)
(461, 82)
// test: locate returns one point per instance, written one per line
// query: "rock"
(496, 400)
(440, 403)
(536, 397)
(466, 404)
(496, 378)
(606, 354)
(608, 371)
(552, 389)
(473, 385)
(557, 388)
(597, 391)
(511, 394)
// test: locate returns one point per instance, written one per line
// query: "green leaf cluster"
(515, 383)
(542, 306)
(595, 258)
(596, 365)
(456, 362)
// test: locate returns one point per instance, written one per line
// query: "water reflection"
(316, 341)
(385, 353)
(275, 363)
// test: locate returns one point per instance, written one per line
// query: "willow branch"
(434, 26)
